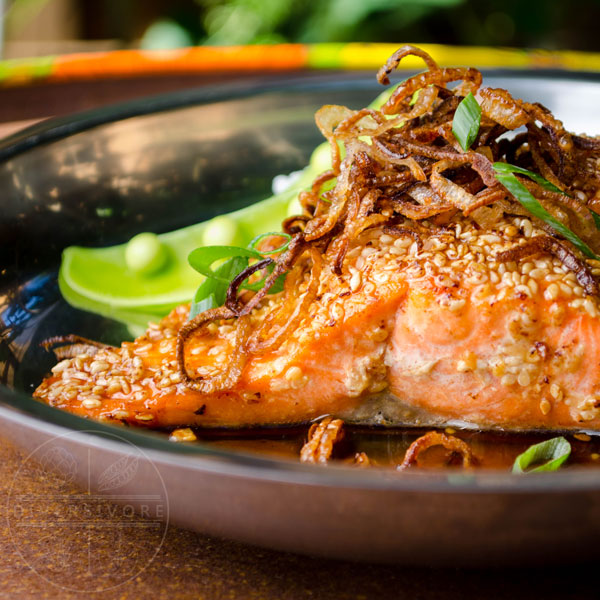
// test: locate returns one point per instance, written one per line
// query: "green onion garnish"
(288, 238)
(501, 167)
(467, 118)
(213, 290)
(548, 456)
(202, 259)
(529, 202)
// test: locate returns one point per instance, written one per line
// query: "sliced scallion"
(467, 118)
(262, 236)
(501, 167)
(212, 291)
(202, 259)
(529, 202)
(546, 456)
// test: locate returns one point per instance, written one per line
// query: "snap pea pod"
(140, 281)
(143, 279)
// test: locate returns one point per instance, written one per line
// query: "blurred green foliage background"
(550, 24)
(524, 23)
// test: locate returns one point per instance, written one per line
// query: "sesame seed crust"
(455, 265)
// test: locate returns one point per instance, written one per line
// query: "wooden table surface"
(192, 565)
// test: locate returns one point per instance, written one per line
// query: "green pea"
(145, 254)
(222, 231)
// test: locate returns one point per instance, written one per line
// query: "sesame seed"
(165, 346)
(523, 289)
(61, 366)
(403, 242)
(556, 392)
(565, 289)
(144, 417)
(508, 379)
(533, 286)
(577, 303)
(183, 435)
(355, 281)
(524, 379)
(538, 273)
(527, 267)
(143, 349)
(293, 373)
(379, 335)
(456, 304)
(545, 407)
(439, 259)
(91, 402)
(589, 307)
(551, 292)
(114, 386)
(125, 386)
(337, 312)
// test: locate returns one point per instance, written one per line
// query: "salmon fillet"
(411, 333)
(430, 298)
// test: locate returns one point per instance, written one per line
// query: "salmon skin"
(426, 332)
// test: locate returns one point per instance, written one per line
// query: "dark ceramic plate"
(162, 163)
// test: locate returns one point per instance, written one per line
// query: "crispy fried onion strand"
(399, 165)
(69, 346)
(360, 459)
(550, 245)
(232, 302)
(499, 106)
(322, 438)
(232, 371)
(435, 438)
(278, 324)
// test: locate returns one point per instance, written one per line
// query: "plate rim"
(56, 128)
(200, 457)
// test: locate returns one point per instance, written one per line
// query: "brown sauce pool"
(387, 447)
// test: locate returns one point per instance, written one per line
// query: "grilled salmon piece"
(426, 332)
